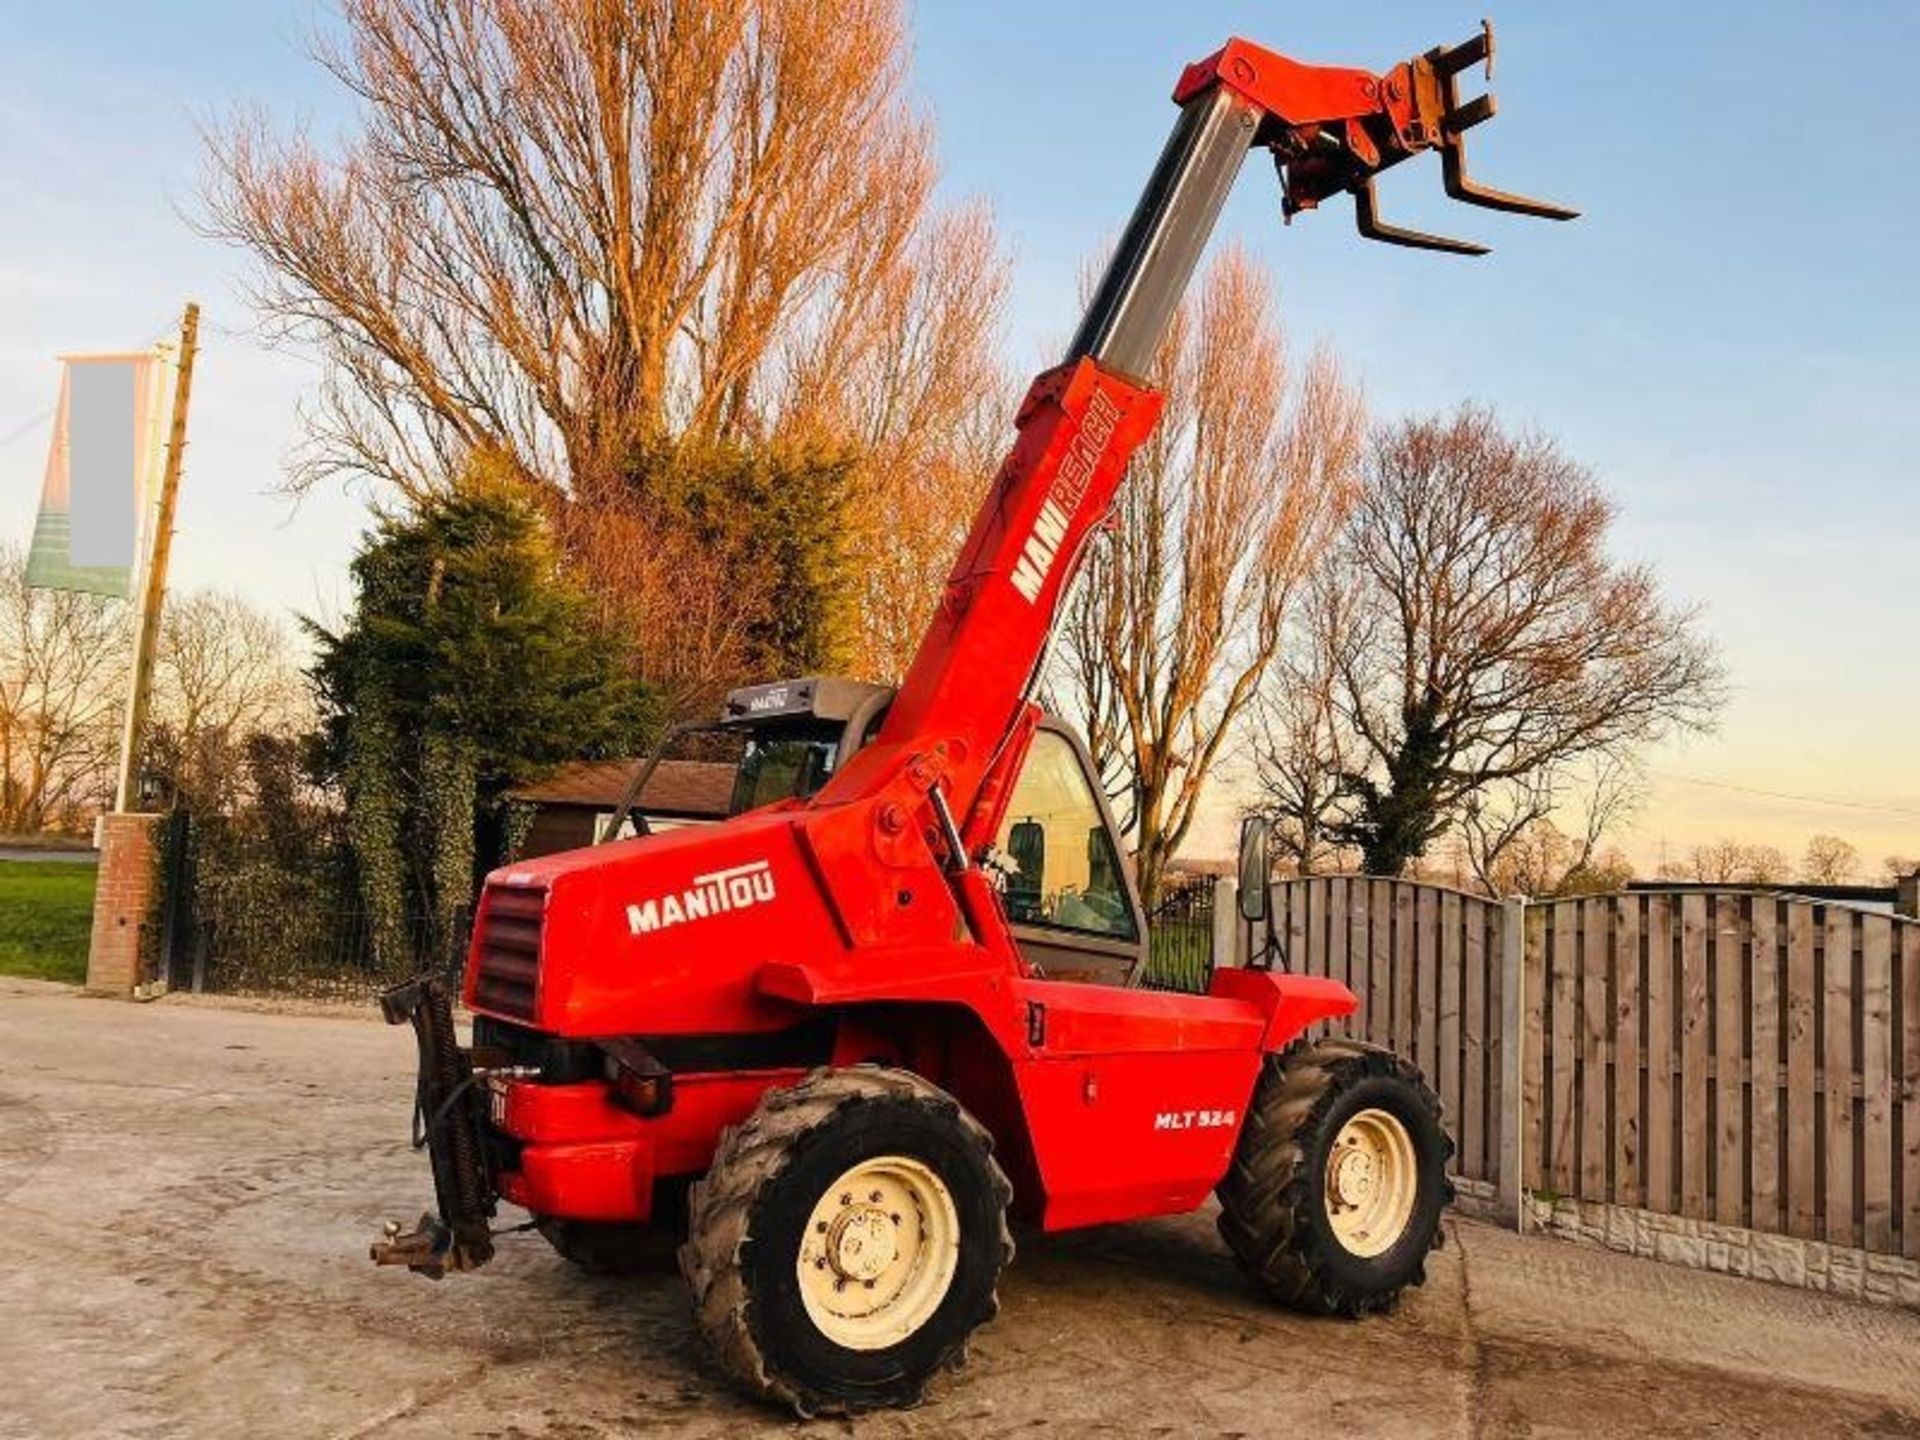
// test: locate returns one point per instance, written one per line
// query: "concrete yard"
(187, 1191)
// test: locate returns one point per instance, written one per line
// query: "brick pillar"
(122, 902)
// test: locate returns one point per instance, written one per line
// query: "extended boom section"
(1329, 129)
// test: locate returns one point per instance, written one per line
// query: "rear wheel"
(1334, 1197)
(847, 1241)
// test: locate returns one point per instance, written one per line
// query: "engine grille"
(507, 967)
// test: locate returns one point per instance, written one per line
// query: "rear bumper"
(578, 1153)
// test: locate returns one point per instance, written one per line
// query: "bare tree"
(63, 678)
(1219, 519)
(1732, 862)
(565, 228)
(1301, 748)
(928, 412)
(1763, 865)
(224, 664)
(1514, 845)
(1829, 861)
(1483, 637)
(1545, 861)
(225, 672)
(1896, 868)
(688, 606)
(565, 233)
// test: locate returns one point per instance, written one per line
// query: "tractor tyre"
(847, 1241)
(1334, 1196)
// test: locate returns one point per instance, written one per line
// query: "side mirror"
(1256, 839)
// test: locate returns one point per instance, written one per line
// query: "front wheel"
(1334, 1197)
(847, 1241)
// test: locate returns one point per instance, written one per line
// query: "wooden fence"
(1740, 1058)
(1746, 1059)
(1426, 963)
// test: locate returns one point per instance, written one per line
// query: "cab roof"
(828, 698)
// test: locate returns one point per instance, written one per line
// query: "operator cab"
(796, 733)
(1069, 892)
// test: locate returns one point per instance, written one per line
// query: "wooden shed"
(573, 806)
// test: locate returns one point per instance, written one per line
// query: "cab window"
(787, 767)
(1066, 871)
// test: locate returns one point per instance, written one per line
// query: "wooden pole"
(154, 592)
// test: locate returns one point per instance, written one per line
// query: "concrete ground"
(187, 1191)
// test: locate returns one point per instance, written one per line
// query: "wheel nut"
(821, 1227)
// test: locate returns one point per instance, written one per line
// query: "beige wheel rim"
(1373, 1179)
(879, 1252)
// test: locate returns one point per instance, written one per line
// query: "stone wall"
(1731, 1250)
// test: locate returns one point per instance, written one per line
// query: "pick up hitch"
(449, 1113)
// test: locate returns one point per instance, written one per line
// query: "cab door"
(1069, 897)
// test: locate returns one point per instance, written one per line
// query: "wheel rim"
(1372, 1181)
(879, 1252)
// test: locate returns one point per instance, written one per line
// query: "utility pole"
(154, 591)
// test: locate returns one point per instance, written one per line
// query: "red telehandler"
(832, 1042)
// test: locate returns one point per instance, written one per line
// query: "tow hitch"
(449, 1113)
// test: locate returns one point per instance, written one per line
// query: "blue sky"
(1727, 337)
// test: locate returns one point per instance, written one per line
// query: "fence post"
(1227, 928)
(1513, 1029)
(1907, 893)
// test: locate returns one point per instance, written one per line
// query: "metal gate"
(1180, 938)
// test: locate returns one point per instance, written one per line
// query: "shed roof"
(694, 788)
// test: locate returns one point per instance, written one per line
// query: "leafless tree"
(1301, 747)
(929, 411)
(225, 671)
(1731, 862)
(1896, 868)
(567, 231)
(1181, 616)
(564, 228)
(63, 679)
(1482, 635)
(1829, 861)
(1514, 840)
(688, 607)
(225, 664)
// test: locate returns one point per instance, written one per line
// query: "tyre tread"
(1267, 1198)
(755, 1152)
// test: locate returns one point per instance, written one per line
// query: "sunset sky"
(1727, 337)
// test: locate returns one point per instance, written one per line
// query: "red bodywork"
(1106, 1103)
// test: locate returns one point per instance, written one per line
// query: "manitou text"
(714, 894)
